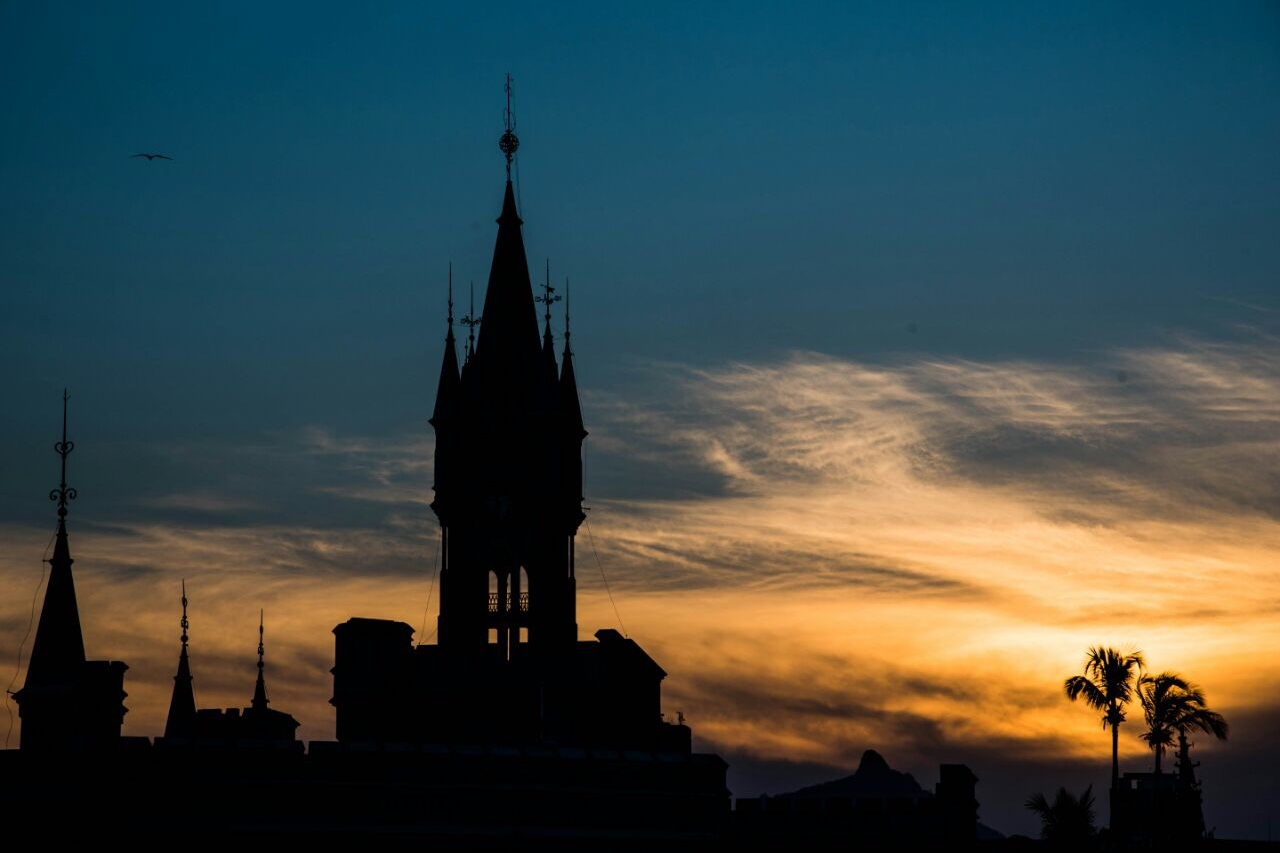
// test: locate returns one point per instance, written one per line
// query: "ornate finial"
(509, 141)
(547, 298)
(260, 689)
(471, 321)
(62, 494)
(185, 623)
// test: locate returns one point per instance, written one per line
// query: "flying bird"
(153, 156)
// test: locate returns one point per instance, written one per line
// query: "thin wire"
(435, 565)
(8, 691)
(592, 540)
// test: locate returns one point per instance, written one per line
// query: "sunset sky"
(921, 345)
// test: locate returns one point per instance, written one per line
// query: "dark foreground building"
(508, 733)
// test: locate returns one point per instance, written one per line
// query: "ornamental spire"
(509, 142)
(182, 702)
(260, 689)
(62, 494)
(548, 297)
(57, 652)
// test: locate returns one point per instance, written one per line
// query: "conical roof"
(58, 650)
(508, 341)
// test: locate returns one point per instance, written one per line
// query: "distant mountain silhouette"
(873, 778)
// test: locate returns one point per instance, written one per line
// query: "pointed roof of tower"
(58, 649)
(182, 704)
(447, 389)
(509, 334)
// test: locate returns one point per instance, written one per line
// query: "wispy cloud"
(944, 517)
(825, 555)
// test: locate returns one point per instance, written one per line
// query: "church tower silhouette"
(508, 484)
(507, 667)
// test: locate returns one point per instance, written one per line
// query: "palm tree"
(1173, 706)
(1068, 820)
(1107, 685)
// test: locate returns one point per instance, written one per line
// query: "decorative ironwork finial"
(62, 494)
(509, 141)
(451, 296)
(471, 321)
(260, 647)
(185, 623)
(547, 298)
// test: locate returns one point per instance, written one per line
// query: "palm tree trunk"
(1115, 756)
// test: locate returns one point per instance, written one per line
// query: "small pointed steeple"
(58, 650)
(570, 405)
(572, 430)
(447, 390)
(182, 704)
(260, 689)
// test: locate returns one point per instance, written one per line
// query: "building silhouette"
(67, 703)
(508, 727)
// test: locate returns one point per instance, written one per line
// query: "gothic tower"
(508, 466)
(507, 666)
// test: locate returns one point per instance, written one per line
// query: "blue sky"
(1029, 247)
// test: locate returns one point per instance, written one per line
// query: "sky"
(921, 347)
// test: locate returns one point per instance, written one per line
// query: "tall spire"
(58, 650)
(510, 317)
(260, 689)
(182, 704)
